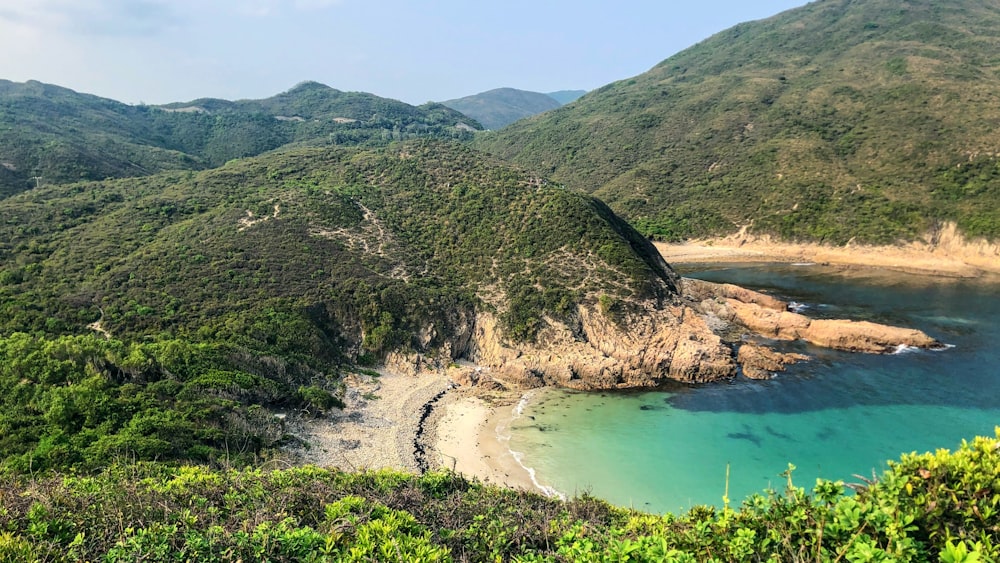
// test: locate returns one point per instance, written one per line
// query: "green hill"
(57, 135)
(871, 120)
(502, 106)
(260, 282)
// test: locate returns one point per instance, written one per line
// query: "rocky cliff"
(701, 336)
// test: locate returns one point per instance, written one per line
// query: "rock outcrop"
(766, 316)
(761, 362)
(854, 336)
(674, 343)
(699, 337)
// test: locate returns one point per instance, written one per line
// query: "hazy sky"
(158, 51)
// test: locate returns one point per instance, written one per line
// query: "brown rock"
(701, 290)
(854, 336)
(650, 343)
(761, 362)
(657, 345)
(782, 325)
(864, 336)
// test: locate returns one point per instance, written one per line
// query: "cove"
(836, 417)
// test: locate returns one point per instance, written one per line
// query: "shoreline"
(968, 262)
(468, 438)
(412, 422)
(377, 429)
(415, 422)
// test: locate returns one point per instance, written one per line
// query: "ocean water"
(838, 416)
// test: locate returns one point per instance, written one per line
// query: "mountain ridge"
(500, 107)
(58, 136)
(835, 121)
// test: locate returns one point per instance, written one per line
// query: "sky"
(160, 51)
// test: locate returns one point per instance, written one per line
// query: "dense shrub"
(926, 507)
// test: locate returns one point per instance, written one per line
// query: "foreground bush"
(927, 507)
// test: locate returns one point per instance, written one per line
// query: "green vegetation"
(313, 254)
(60, 136)
(502, 106)
(928, 507)
(839, 120)
(233, 292)
(82, 402)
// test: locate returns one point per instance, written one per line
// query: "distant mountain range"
(872, 120)
(566, 96)
(500, 107)
(50, 134)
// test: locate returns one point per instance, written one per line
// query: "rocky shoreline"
(698, 338)
(419, 414)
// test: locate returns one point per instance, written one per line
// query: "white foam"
(904, 349)
(796, 307)
(503, 436)
(942, 319)
(546, 490)
(803, 263)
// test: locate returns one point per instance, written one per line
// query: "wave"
(796, 307)
(545, 489)
(946, 320)
(904, 349)
(503, 436)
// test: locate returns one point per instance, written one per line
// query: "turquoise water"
(835, 417)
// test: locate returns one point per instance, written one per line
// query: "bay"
(839, 416)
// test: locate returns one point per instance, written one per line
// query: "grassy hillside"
(503, 106)
(259, 282)
(844, 119)
(60, 136)
(930, 507)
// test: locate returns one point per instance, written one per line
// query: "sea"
(840, 416)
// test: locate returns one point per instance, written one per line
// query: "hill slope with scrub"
(502, 106)
(174, 316)
(169, 316)
(869, 120)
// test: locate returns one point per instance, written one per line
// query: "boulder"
(761, 362)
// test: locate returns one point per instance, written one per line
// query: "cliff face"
(674, 343)
(698, 338)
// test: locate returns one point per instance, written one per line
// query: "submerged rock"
(761, 362)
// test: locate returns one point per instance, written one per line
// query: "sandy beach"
(947, 255)
(382, 423)
(376, 429)
(467, 439)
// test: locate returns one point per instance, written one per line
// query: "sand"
(380, 425)
(377, 428)
(467, 439)
(960, 261)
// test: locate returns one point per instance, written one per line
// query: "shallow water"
(837, 416)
